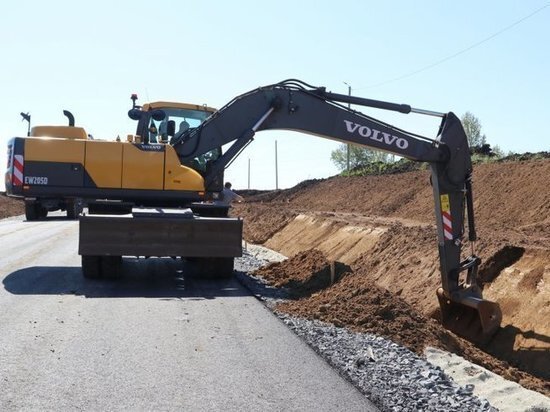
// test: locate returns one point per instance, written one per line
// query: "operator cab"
(169, 122)
(179, 119)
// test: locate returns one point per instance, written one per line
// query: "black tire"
(74, 208)
(34, 210)
(31, 210)
(42, 212)
(91, 267)
(111, 266)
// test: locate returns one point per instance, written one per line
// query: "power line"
(457, 53)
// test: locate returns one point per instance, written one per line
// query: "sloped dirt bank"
(338, 237)
(523, 292)
(267, 221)
(355, 302)
(511, 195)
(10, 206)
(396, 250)
(402, 257)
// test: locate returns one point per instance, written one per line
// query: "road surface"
(152, 340)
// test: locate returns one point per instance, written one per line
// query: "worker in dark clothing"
(229, 196)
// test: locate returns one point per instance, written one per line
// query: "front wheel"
(74, 208)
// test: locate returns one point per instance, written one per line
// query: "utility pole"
(276, 169)
(348, 146)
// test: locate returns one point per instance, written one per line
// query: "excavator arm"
(294, 105)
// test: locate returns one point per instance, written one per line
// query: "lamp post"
(276, 169)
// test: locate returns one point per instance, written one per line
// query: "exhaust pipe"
(70, 117)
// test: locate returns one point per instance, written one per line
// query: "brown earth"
(382, 227)
(10, 206)
(306, 273)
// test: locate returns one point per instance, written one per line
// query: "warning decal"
(445, 204)
(446, 217)
(17, 170)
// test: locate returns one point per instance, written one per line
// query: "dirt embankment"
(10, 206)
(382, 227)
(357, 303)
(510, 195)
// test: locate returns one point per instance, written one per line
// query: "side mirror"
(135, 114)
(158, 115)
(171, 128)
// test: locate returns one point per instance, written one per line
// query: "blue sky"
(89, 57)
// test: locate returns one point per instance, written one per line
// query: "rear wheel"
(31, 210)
(34, 210)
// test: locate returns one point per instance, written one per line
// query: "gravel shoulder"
(389, 374)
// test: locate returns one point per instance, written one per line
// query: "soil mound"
(10, 206)
(303, 274)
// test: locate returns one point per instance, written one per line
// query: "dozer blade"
(472, 318)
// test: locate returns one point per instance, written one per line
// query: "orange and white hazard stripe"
(446, 217)
(447, 225)
(17, 176)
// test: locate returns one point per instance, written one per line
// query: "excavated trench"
(385, 280)
(397, 259)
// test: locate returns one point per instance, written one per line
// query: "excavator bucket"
(470, 317)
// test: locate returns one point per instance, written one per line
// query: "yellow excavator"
(63, 164)
(157, 193)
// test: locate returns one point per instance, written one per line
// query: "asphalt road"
(152, 340)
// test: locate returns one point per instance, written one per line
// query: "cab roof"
(177, 105)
